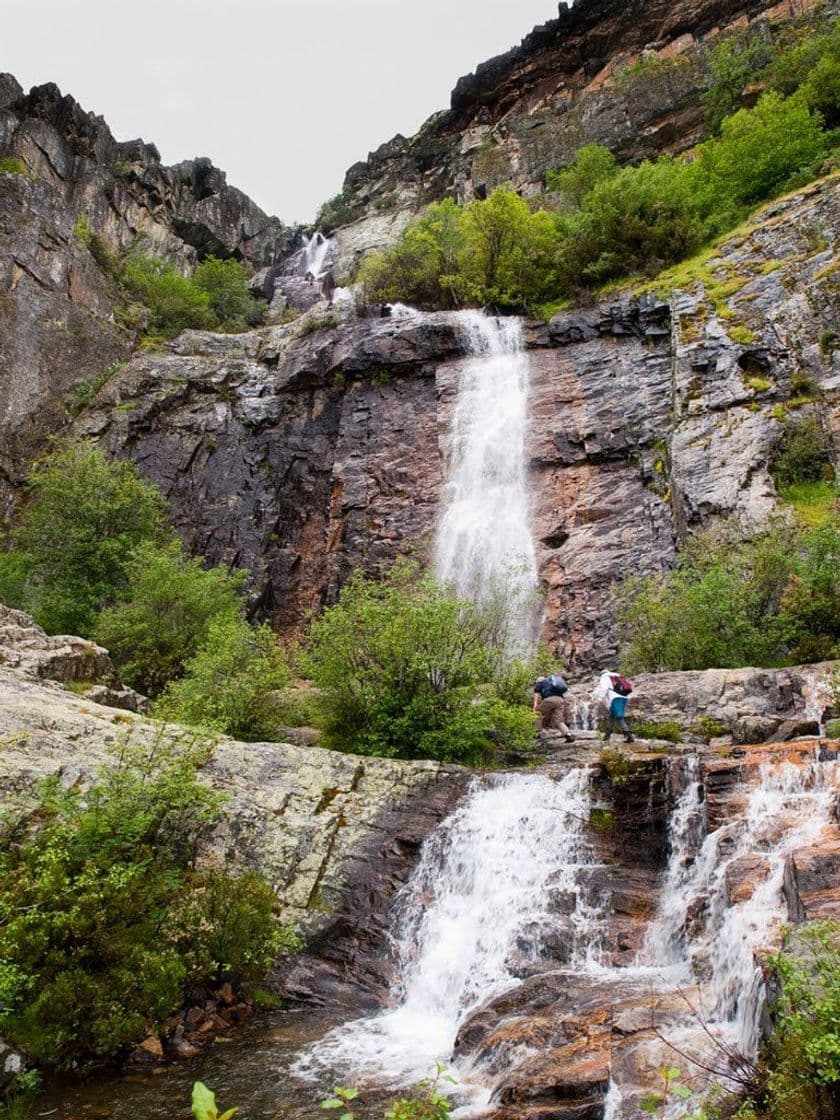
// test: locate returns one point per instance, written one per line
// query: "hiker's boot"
(628, 738)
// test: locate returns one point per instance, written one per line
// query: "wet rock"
(812, 882)
(577, 1073)
(744, 875)
(149, 1050)
(11, 1065)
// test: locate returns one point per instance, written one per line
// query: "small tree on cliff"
(85, 516)
(407, 671)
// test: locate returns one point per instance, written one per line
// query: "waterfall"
(477, 903)
(484, 545)
(664, 943)
(313, 256)
(788, 809)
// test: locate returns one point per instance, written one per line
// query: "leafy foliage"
(225, 283)
(802, 454)
(606, 222)
(204, 1104)
(232, 682)
(93, 905)
(165, 616)
(407, 671)
(771, 600)
(174, 301)
(74, 541)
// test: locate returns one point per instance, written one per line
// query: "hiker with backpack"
(614, 690)
(549, 703)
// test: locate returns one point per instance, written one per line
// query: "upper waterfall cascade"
(484, 543)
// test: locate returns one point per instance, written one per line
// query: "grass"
(13, 165)
(547, 311)
(742, 335)
(815, 503)
(758, 384)
(669, 730)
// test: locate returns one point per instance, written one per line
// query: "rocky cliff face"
(304, 451)
(57, 324)
(629, 76)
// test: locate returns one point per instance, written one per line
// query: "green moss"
(13, 165)
(618, 766)
(832, 729)
(707, 727)
(742, 335)
(602, 821)
(758, 384)
(669, 730)
(547, 311)
(771, 266)
(815, 502)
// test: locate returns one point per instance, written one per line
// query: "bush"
(76, 534)
(407, 671)
(230, 685)
(769, 601)
(176, 303)
(760, 149)
(91, 903)
(337, 211)
(803, 1056)
(225, 283)
(169, 606)
(802, 453)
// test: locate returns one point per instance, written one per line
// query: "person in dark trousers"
(549, 703)
(616, 703)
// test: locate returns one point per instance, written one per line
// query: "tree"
(84, 517)
(407, 671)
(169, 606)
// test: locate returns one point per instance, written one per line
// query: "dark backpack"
(621, 685)
(558, 685)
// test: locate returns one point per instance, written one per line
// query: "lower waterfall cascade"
(481, 907)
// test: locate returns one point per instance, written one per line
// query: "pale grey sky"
(282, 94)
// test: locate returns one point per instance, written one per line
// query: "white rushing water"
(484, 544)
(476, 905)
(707, 930)
(313, 256)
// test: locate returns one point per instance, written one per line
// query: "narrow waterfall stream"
(484, 544)
(478, 903)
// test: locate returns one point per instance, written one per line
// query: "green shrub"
(803, 1056)
(14, 165)
(164, 619)
(406, 671)
(76, 534)
(231, 684)
(175, 301)
(337, 211)
(772, 600)
(225, 283)
(669, 730)
(92, 903)
(802, 453)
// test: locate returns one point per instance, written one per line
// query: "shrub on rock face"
(407, 671)
(76, 535)
(106, 927)
(773, 600)
(225, 283)
(232, 684)
(175, 301)
(164, 619)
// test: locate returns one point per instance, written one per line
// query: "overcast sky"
(282, 94)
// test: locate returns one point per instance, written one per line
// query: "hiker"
(614, 689)
(549, 702)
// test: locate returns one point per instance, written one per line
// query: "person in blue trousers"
(616, 705)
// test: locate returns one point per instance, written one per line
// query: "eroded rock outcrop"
(331, 833)
(57, 308)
